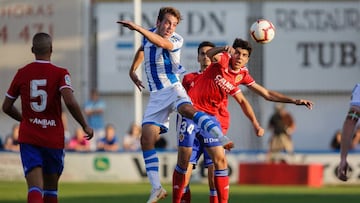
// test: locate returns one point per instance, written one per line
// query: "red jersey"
(215, 84)
(223, 116)
(189, 79)
(39, 84)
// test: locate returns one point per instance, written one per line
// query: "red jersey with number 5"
(39, 84)
(213, 86)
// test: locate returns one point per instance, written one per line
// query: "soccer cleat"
(157, 194)
(226, 142)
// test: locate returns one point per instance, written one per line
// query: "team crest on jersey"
(181, 137)
(68, 80)
(238, 78)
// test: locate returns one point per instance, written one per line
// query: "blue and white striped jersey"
(162, 67)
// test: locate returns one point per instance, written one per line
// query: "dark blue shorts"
(50, 160)
(191, 135)
(197, 150)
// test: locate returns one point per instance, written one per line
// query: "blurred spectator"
(282, 126)
(1, 143)
(67, 134)
(11, 141)
(94, 110)
(110, 142)
(356, 140)
(78, 142)
(131, 141)
(336, 140)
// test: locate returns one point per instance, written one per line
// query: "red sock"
(178, 185)
(35, 195)
(186, 196)
(50, 199)
(222, 187)
(213, 198)
(50, 196)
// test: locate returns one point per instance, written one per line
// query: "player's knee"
(187, 110)
(147, 141)
(220, 163)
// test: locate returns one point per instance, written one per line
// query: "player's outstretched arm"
(151, 36)
(9, 108)
(278, 97)
(249, 112)
(138, 59)
(75, 111)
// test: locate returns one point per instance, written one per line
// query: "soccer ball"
(262, 31)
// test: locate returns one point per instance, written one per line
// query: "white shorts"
(162, 103)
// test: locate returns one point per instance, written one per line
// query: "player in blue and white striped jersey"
(160, 52)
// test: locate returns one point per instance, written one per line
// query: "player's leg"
(197, 151)
(221, 176)
(186, 196)
(34, 182)
(52, 170)
(32, 163)
(180, 171)
(213, 197)
(148, 139)
(206, 123)
(186, 130)
(208, 163)
(201, 119)
(51, 188)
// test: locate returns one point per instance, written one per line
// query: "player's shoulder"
(244, 69)
(60, 69)
(175, 37)
(191, 74)
(356, 92)
(357, 87)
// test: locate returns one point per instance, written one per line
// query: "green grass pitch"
(15, 192)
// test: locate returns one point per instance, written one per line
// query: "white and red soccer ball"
(262, 31)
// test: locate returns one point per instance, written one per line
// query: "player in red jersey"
(41, 85)
(190, 143)
(220, 79)
(198, 149)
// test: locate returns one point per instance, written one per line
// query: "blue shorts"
(191, 135)
(50, 160)
(198, 149)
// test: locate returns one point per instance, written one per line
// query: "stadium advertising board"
(66, 21)
(219, 22)
(316, 46)
(129, 167)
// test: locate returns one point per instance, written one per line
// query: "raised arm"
(151, 36)
(212, 53)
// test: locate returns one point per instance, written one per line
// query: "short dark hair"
(41, 43)
(205, 44)
(243, 44)
(173, 11)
